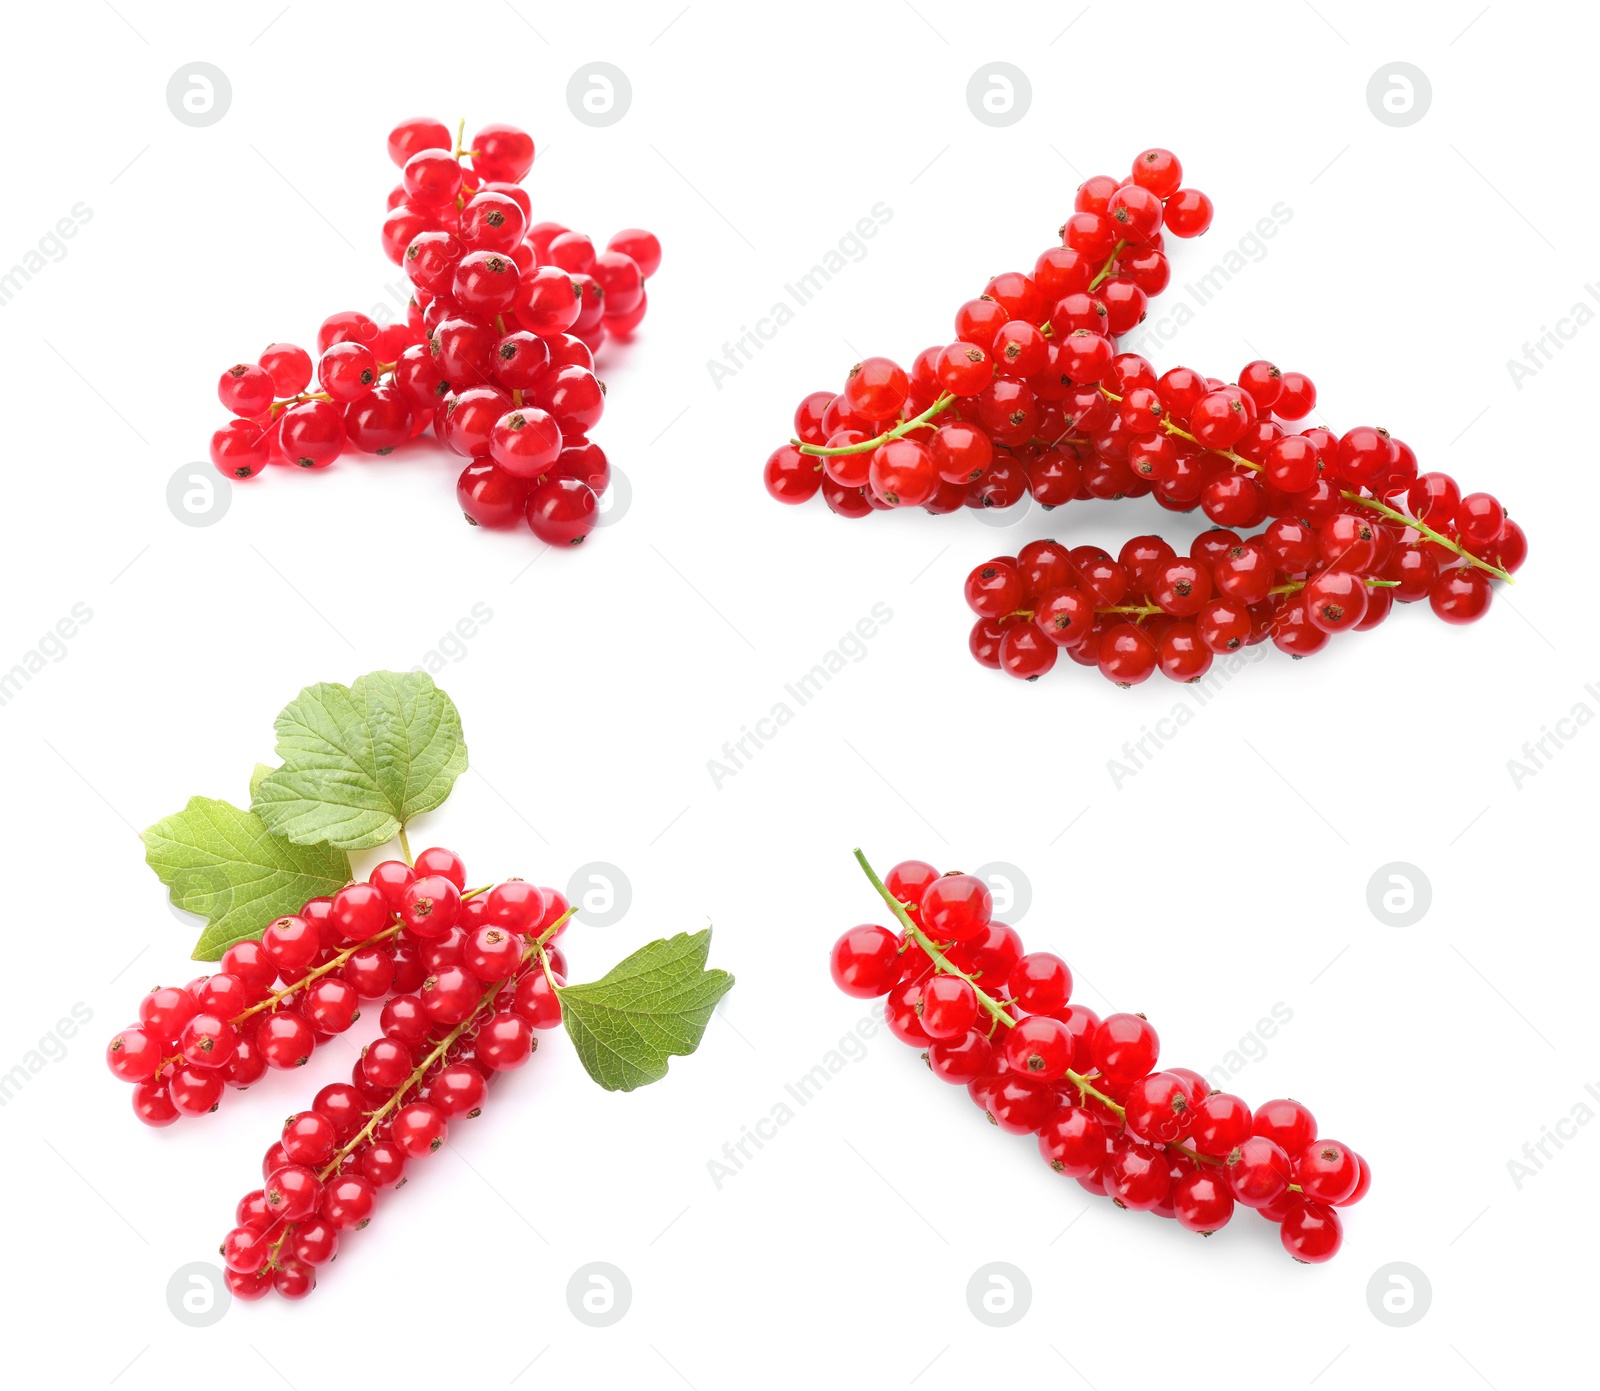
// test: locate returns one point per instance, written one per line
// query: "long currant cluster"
(488, 988)
(1025, 362)
(1002, 1023)
(1338, 565)
(405, 929)
(496, 352)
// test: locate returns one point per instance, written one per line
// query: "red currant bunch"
(1001, 1022)
(977, 422)
(400, 932)
(496, 352)
(1348, 527)
(491, 974)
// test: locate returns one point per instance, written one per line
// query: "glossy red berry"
(1125, 1047)
(865, 961)
(956, 908)
(1311, 1233)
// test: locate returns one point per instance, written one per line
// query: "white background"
(1228, 876)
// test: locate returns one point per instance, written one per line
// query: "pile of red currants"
(496, 352)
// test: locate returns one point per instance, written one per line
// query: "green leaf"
(651, 1007)
(260, 771)
(223, 864)
(360, 761)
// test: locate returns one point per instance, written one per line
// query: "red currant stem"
(1423, 529)
(417, 1074)
(301, 399)
(272, 1251)
(939, 959)
(903, 428)
(1393, 514)
(405, 846)
(277, 997)
(1107, 269)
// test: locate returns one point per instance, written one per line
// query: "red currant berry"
(1461, 595)
(1326, 1171)
(359, 911)
(1125, 1047)
(1202, 1202)
(1312, 1233)
(309, 1139)
(1039, 1047)
(208, 1040)
(536, 1000)
(1188, 213)
(288, 366)
(948, 1007)
(961, 1060)
(419, 1129)
(245, 1249)
(292, 944)
(1258, 1171)
(956, 908)
(865, 961)
(504, 1042)
(195, 1090)
(133, 1055)
(284, 1040)
(562, 511)
(430, 905)
(164, 1012)
(1286, 1122)
(347, 1202)
(1073, 1142)
(1220, 1123)
(292, 1192)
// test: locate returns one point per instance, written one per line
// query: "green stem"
(939, 959)
(903, 428)
(1383, 508)
(405, 846)
(1108, 268)
(1423, 529)
(272, 1001)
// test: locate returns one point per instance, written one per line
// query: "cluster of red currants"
(469, 975)
(406, 929)
(1002, 1023)
(1336, 557)
(1027, 359)
(496, 352)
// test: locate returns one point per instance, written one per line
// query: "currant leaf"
(224, 865)
(361, 761)
(650, 1007)
(260, 771)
